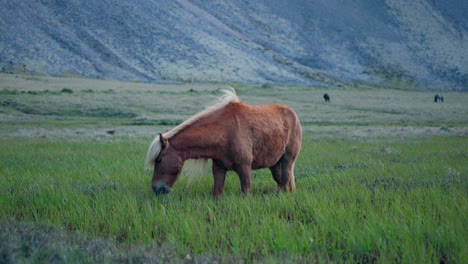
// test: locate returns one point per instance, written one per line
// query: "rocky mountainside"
(310, 42)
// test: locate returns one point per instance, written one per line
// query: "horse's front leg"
(219, 175)
(244, 172)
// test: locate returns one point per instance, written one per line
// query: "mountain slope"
(320, 42)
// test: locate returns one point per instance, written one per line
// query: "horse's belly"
(267, 163)
(266, 157)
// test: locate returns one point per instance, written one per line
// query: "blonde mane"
(229, 96)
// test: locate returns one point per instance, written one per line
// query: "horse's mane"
(229, 96)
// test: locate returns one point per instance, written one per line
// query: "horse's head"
(167, 167)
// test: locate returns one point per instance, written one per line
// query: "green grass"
(359, 201)
(382, 177)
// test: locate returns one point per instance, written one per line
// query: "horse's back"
(269, 131)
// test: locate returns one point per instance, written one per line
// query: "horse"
(236, 137)
(438, 97)
(326, 97)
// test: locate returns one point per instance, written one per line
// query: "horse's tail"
(295, 142)
(292, 183)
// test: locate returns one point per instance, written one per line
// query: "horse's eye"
(158, 160)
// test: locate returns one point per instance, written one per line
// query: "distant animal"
(326, 97)
(235, 136)
(438, 97)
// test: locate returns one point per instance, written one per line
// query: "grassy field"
(382, 177)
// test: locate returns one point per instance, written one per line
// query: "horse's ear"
(163, 141)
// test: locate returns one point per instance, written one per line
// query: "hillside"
(422, 43)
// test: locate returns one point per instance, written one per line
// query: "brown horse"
(236, 137)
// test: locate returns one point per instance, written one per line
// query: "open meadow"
(382, 177)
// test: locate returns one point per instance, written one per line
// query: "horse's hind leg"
(283, 173)
(276, 172)
(287, 170)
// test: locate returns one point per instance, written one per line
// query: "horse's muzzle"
(163, 189)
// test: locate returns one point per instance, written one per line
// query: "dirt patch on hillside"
(84, 133)
(110, 132)
(385, 131)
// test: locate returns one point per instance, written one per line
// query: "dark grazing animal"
(438, 97)
(326, 97)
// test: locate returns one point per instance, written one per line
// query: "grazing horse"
(235, 136)
(438, 97)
